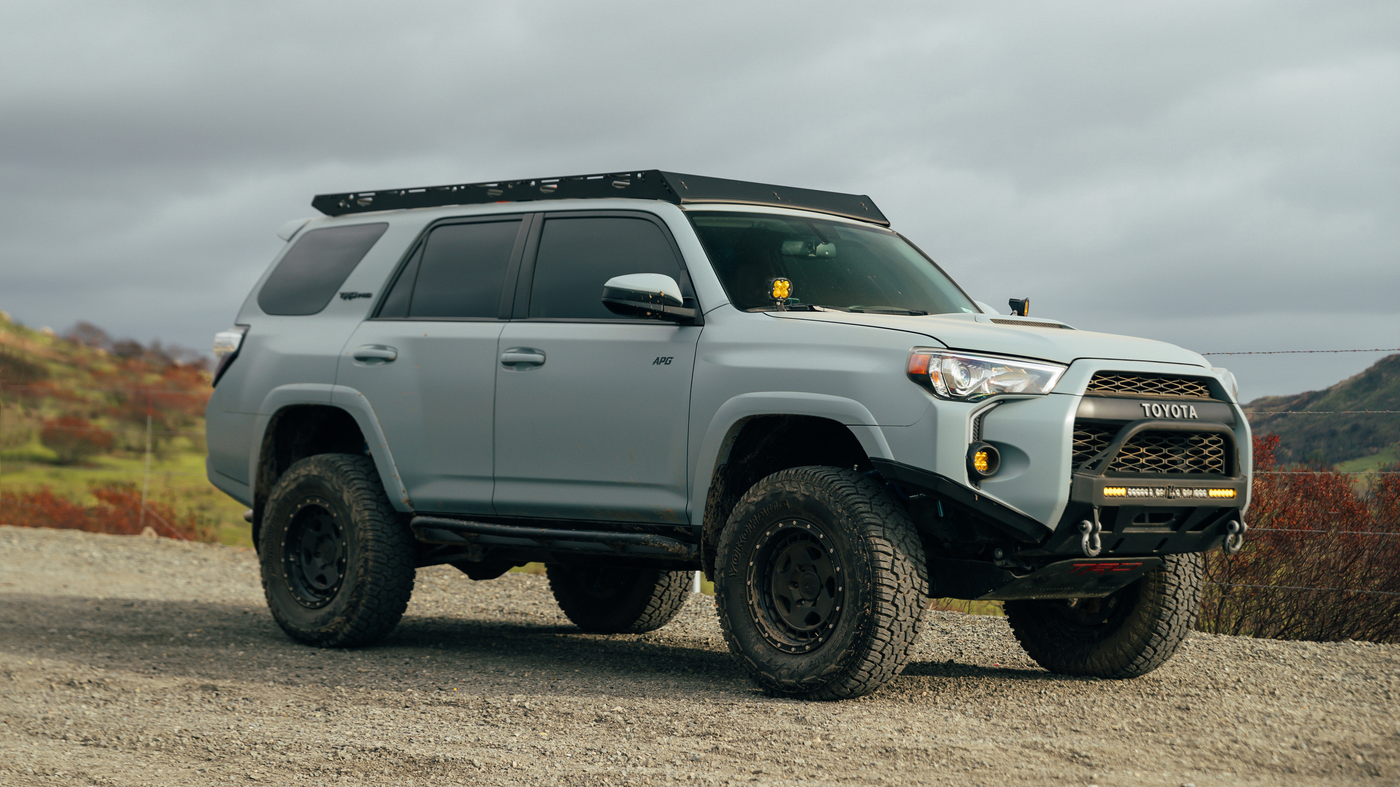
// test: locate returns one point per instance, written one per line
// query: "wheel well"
(762, 445)
(295, 433)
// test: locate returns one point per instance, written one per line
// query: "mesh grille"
(1178, 453)
(1089, 439)
(1140, 385)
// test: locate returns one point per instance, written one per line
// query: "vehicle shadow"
(211, 640)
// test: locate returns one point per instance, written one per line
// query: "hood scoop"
(1030, 323)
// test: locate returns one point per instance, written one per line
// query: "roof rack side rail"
(644, 184)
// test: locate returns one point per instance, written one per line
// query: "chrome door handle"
(517, 357)
(375, 353)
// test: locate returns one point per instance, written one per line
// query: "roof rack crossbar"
(643, 184)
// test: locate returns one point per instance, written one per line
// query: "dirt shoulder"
(142, 661)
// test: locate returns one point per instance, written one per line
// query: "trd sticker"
(663, 360)
(1103, 569)
(350, 296)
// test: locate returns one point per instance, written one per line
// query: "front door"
(592, 410)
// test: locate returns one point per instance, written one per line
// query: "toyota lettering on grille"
(1156, 410)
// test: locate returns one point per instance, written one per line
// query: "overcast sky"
(1222, 175)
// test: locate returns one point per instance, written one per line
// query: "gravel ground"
(142, 661)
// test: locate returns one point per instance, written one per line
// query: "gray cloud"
(1222, 175)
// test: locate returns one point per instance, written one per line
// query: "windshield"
(831, 264)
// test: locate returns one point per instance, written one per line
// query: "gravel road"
(142, 661)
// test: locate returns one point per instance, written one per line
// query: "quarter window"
(314, 268)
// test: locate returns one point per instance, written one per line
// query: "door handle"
(375, 353)
(517, 357)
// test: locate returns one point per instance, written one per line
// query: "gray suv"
(631, 377)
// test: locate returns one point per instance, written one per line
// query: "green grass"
(177, 479)
(1386, 456)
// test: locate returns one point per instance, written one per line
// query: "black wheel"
(337, 562)
(1127, 634)
(607, 600)
(820, 581)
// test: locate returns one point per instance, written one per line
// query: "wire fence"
(130, 395)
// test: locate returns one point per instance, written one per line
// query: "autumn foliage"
(73, 438)
(117, 511)
(1321, 561)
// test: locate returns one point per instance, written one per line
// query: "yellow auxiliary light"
(781, 289)
(983, 460)
(1227, 493)
(1115, 491)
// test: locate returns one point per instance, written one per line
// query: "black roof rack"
(646, 184)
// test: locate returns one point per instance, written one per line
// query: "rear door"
(427, 360)
(592, 409)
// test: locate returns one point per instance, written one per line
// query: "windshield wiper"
(886, 310)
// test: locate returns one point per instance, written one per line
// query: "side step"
(464, 532)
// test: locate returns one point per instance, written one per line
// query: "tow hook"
(1089, 541)
(1234, 536)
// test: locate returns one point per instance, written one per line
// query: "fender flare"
(356, 406)
(724, 426)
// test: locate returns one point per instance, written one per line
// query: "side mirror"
(653, 296)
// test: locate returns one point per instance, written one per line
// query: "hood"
(977, 333)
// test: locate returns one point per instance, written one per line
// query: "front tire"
(1127, 634)
(820, 580)
(611, 600)
(337, 562)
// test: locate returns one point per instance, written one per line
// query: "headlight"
(969, 378)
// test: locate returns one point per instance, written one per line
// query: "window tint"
(396, 303)
(578, 255)
(463, 269)
(831, 264)
(314, 268)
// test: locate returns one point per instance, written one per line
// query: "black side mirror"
(652, 296)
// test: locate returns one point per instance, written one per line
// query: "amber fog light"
(983, 460)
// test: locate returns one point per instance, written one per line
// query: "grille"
(1178, 453)
(1141, 385)
(1089, 439)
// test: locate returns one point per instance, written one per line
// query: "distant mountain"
(1328, 438)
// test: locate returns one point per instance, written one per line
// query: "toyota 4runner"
(635, 376)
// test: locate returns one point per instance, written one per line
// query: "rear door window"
(314, 268)
(457, 273)
(578, 255)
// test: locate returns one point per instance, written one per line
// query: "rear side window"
(314, 268)
(457, 273)
(578, 255)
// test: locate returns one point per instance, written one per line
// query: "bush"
(74, 438)
(1320, 562)
(116, 512)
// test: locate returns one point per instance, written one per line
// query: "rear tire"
(610, 600)
(820, 581)
(337, 562)
(1127, 634)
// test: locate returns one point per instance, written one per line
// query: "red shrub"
(117, 512)
(1317, 564)
(74, 438)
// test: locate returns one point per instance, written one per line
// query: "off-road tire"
(337, 560)
(811, 624)
(1128, 634)
(611, 600)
